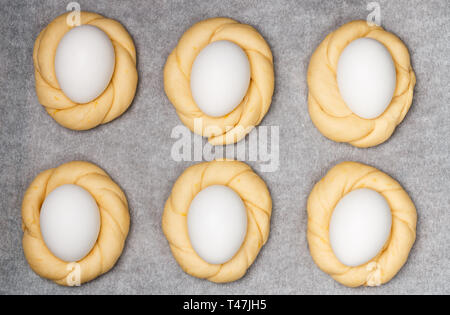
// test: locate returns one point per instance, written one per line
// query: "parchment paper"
(135, 149)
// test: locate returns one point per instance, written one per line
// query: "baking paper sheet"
(135, 149)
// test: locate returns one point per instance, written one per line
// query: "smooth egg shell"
(360, 226)
(84, 63)
(70, 222)
(220, 78)
(217, 223)
(366, 77)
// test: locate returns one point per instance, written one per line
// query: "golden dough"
(327, 109)
(116, 98)
(340, 180)
(256, 197)
(115, 222)
(234, 126)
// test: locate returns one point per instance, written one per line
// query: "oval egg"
(220, 78)
(217, 223)
(360, 226)
(70, 222)
(84, 63)
(366, 77)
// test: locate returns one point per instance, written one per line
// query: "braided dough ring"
(116, 98)
(115, 221)
(256, 197)
(328, 110)
(234, 126)
(340, 180)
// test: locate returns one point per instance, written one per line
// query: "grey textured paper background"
(135, 149)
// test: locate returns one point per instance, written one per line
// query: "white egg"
(70, 222)
(220, 78)
(217, 224)
(84, 63)
(360, 226)
(366, 77)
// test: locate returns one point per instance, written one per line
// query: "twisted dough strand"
(328, 110)
(116, 98)
(234, 126)
(340, 180)
(115, 221)
(256, 197)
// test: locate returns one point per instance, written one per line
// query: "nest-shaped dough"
(340, 180)
(232, 127)
(256, 197)
(115, 222)
(116, 98)
(328, 110)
